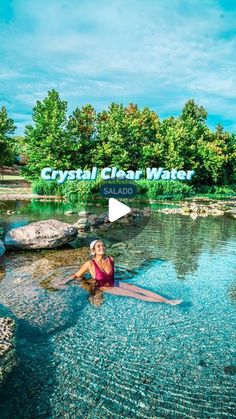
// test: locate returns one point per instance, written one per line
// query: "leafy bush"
(164, 189)
(223, 190)
(83, 190)
(80, 191)
(44, 187)
(142, 187)
(217, 191)
(7, 128)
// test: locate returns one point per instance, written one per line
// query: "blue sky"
(150, 52)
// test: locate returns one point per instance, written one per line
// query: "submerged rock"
(88, 220)
(69, 212)
(82, 224)
(230, 369)
(92, 219)
(29, 291)
(48, 234)
(39, 310)
(102, 219)
(84, 213)
(231, 212)
(2, 248)
(7, 346)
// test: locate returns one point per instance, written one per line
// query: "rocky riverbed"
(8, 357)
(2, 248)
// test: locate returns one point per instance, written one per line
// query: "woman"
(101, 269)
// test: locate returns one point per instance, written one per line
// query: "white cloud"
(148, 52)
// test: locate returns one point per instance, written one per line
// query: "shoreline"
(22, 194)
(28, 197)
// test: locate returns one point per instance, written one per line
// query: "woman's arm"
(78, 275)
(84, 268)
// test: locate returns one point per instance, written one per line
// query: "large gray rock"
(48, 234)
(7, 346)
(2, 248)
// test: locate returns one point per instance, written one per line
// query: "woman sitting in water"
(101, 268)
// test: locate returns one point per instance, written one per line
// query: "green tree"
(226, 143)
(179, 139)
(169, 140)
(143, 127)
(19, 148)
(211, 158)
(81, 129)
(191, 128)
(128, 138)
(124, 135)
(47, 141)
(7, 127)
(111, 140)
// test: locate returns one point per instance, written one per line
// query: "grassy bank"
(14, 185)
(84, 190)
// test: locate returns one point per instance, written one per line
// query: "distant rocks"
(2, 248)
(194, 209)
(82, 224)
(69, 212)
(81, 213)
(170, 210)
(7, 346)
(84, 213)
(202, 209)
(88, 220)
(101, 219)
(10, 212)
(48, 234)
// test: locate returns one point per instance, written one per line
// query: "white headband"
(92, 244)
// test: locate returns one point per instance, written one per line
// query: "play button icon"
(117, 209)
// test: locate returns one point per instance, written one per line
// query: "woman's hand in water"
(76, 277)
(62, 282)
(71, 278)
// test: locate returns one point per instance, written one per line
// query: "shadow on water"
(186, 305)
(27, 390)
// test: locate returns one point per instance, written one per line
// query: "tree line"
(123, 136)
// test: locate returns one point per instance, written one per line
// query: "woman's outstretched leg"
(142, 291)
(128, 293)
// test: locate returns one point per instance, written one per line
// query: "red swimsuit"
(103, 279)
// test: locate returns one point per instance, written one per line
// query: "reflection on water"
(178, 239)
(126, 358)
(29, 211)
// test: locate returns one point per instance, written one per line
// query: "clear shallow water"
(128, 358)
